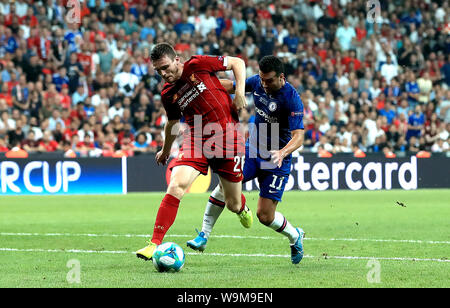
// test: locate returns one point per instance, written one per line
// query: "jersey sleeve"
(172, 109)
(295, 111)
(250, 83)
(209, 63)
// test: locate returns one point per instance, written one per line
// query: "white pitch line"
(225, 254)
(225, 236)
(63, 250)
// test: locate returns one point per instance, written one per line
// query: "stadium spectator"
(85, 146)
(141, 145)
(54, 119)
(17, 134)
(388, 112)
(3, 147)
(389, 70)
(416, 123)
(47, 144)
(323, 144)
(356, 73)
(80, 94)
(16, 151)
(126, 81)
(440, 145)
(412, 89)
(346, 35)
(30, 144)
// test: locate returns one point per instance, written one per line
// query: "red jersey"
(199, 93)
(51, 146)
(82, 144)
(85, 61)
(360, 33)
(32, 19)
(65, 101)
(69, 133)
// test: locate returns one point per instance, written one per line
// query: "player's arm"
(237, 65)
(163, 155)
(231, 87)
(295, 118)
(228, 85)
(294, 144)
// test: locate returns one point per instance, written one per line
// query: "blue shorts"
(271, 181)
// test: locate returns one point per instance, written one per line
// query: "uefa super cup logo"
(374, 11)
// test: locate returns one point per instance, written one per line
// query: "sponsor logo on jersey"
(201, 87)
(189, 95)
(266, 117)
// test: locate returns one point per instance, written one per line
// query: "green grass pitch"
(353, 239)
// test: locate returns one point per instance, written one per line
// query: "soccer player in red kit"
(193, 91)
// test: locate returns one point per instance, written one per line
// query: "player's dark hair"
(271, 64)
(162, 49)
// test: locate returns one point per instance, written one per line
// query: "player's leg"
(181, 179)
(213, 209)
(268, 216)
(216, 202)
(271, 191)
(235, 200)
(228, 193)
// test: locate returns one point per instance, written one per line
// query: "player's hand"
(277, 158)
(239, 101)
(162, 158)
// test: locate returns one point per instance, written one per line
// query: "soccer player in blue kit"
(277, 132)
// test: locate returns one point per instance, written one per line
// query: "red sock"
(165, 217)
(243, 200)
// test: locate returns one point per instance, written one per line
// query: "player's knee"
(264, 217)
(177, 189)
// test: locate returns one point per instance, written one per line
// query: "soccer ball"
(168, 257)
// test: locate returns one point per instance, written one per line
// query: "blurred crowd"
(76, 76)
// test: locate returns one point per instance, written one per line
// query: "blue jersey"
(275, 117)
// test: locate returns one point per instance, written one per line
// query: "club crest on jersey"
(193, 79)
(175, 97)
(272, 106)
(199, 84)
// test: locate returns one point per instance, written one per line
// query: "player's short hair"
(271, 64)
(162, 49)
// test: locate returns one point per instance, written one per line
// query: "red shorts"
(228, 168)
(224, 153)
